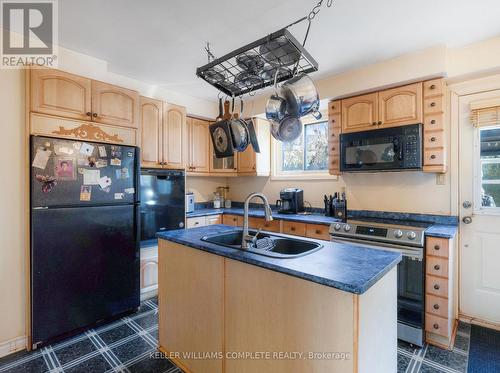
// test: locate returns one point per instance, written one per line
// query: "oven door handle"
(414, 253)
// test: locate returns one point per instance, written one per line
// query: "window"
(305, 157)
(489, 166)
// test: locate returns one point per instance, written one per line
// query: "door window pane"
(490, 167)
(490, 195)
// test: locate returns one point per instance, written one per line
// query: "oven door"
(410, 287)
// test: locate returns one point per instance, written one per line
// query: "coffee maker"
(291, 201)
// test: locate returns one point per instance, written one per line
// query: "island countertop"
(346, 267)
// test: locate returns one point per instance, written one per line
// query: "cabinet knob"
(436, 287)
(333, 148)
(433, 156)
(379, 122)
(88, 113)
(374, 123)
(94, 115)
(292, 229)
(317, 231)
(437, 247)
(435, 326)
(433, 121)
(433, 104)
(333, 120)
(433, 139)
(437, 267)
(436, 306)
(333, 135)
(433, 86)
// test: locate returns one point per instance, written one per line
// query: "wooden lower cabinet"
(191, 309)
(440, 297)
(318, 231)
(291, 227)
(261, 223)
(233, 220)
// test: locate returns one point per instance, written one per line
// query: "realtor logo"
(29, 33)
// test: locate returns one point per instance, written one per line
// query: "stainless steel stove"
(409, 241)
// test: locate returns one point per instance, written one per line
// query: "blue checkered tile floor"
(126, 346)
(122, 346)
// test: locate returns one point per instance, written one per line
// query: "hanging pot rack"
(253, 66)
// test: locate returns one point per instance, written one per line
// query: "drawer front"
(272, 226)
(437, 246)
(437, 266)
(334, 120)
(333, 134)
(434, 139)
(433, 122)
(433, 105)
(434, 87)
(211, 220)
(434, 156)
(436, 306)
(436, 286)
(196, 222)
(334, 107)
(318, 231)
(290, 227)
(231, 220)
(436, 325)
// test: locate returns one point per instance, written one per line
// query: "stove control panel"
(413, 236)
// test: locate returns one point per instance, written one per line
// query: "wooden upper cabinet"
(114, 105)
(55, 92)
(359, 113)
(247, 161)
(199, 151)
(174, 136)
(151, 120)
(400, 106)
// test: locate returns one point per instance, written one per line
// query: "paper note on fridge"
(129, 190)
(119, 195)
(104, 182)
(41, 158)
(87, 149)
(91, 177)
(102, 151)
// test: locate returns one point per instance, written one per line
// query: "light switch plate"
(440, 179)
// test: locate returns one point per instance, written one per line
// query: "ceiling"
(162, 41)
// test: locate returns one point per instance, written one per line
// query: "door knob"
(467, 219)
(467, 204)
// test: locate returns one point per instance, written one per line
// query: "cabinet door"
(359, 113)
(233, 220)
(191, 308)
(174, 136)
(114, 105)
(151, 114)
(198, 145)
(247, 161)
(261, 223)
(400, 106)
(58, 93)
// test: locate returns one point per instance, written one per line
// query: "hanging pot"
(289, 128)
(301, 96)
(276, 106)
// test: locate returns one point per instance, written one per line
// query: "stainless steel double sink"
(281, 246)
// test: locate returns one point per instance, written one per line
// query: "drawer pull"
(333, 120)
(435, 326)
(433, 104)
(436, 247)
(196, 222)
(436, 286)
(333, 135)
(433, 139)
(437, 267)
(318, 231)
(292, 229)
(379, 122)
(333, 148)
(433, 121)
(374, 123)
(436, 306)
(433, 86)
(433, 156)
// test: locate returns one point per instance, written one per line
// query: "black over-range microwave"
(386, 149)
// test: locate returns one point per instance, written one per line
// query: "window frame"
(478, 179)
(276, 161)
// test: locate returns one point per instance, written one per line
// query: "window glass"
(490, 167)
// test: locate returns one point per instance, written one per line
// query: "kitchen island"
(226, 310)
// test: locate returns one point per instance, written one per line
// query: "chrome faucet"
(247, 238)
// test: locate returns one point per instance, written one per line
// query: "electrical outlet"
(440, 179)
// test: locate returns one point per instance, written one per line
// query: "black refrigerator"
(85, 235)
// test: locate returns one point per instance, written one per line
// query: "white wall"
(12, 213)
(204, 187)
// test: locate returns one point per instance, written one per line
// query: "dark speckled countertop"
(345, 267)
(434, 227)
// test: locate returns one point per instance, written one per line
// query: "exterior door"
(479, 184)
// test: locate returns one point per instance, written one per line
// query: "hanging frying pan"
(239, 131)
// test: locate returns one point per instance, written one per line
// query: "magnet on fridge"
(48, 182)
(85, 192)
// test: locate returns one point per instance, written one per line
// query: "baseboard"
(480, 322)
(13, 345)
(149, 292)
